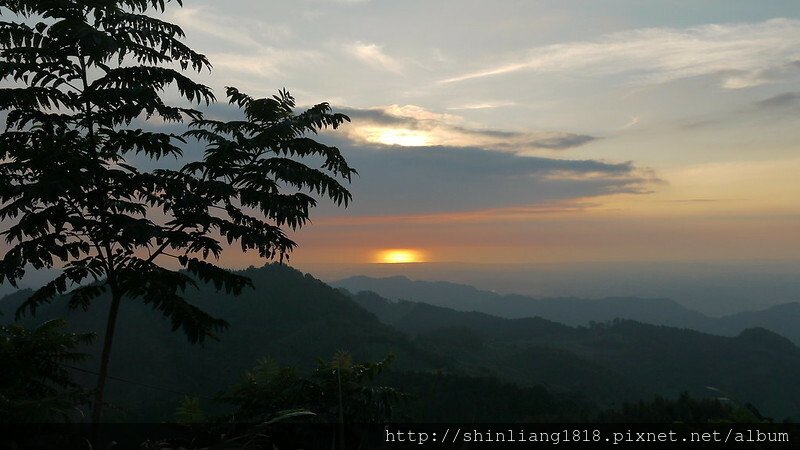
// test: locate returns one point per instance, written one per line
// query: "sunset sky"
(522, 131)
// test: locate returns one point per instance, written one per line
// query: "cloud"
(374, 56)
(742, 55)
(485, 105)
(346, 2)
(698, 123)
(786, 100)
(237, 31)
(489, 215)
(631, 123)
(560, 141)
(693, 200)
(244, 46)
(413, 126)
(265, 61)
(439, 179)
(476, 182)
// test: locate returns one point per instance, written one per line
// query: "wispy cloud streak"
(743, 55)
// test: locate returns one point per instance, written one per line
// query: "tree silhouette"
(339, 391)
(88, 82)
(35, 386)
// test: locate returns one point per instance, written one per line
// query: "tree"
(89, 76)
(338, 392)
(35, 385)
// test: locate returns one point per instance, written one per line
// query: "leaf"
(164, 289)
(82, 297)
(43, 295)
(282, 416)
(189, 411)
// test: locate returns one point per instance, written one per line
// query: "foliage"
(275, 404)
(189, 411)
(338, 390)
(448, 397)
(87, 102)
(35, 384)
(684, 409)
(92, 71)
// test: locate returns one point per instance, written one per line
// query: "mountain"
(439, 293)
(295, 318)
(782, 319)
(566, 310)
(9, 302)
(289, 316)
(613, 361)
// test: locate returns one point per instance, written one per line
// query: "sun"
(399, 256)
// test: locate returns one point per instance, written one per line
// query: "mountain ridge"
(624, 358)
(782, 319)
(295, 319)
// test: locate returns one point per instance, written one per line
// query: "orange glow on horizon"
(399, 256)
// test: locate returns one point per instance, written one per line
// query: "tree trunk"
(97, 408)
(341, 405)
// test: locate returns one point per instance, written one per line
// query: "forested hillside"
(562, 371)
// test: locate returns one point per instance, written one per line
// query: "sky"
(518, 132)
(509, 135)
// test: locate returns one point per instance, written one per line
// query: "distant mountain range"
(296, 318)
(783, 319)
(614, 361)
